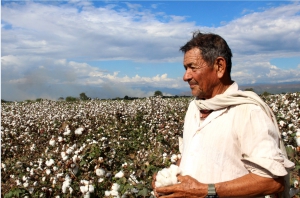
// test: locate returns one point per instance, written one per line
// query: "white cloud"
(46, 47)
(271, 31)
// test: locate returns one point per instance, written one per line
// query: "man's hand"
(187, 187)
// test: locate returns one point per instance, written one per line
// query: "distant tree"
(249, 89)
(82, 96)
(158, 93)
(70, 99)
(265, 93)
(38, 99)
(126, 97)
(61, 98)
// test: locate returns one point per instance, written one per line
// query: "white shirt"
(229, 143)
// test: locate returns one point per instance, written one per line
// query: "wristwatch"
(212, 191)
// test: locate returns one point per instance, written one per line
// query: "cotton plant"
(115, 131)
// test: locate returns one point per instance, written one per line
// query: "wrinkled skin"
(188, 187)
(249, 185)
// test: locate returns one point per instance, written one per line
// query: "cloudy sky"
(107, 49)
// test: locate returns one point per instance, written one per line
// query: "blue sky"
(111, 49)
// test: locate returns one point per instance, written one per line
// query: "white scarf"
(222, 101)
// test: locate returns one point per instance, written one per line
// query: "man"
(231, 142)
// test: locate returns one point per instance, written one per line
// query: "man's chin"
(197, 94)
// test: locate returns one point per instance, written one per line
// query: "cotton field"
(105, 148)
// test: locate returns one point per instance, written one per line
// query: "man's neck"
(221, 88)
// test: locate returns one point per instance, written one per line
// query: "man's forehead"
(193, 54)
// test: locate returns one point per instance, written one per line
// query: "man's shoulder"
(246, 108)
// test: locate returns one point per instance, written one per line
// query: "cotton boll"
(48, 171)
(165, 173)
(158, 184)
(174, 169)
(174, 158)
(124, 165)
(179, 156)
(70, 189)
(114, 193)
(91, 188)
(173, 179)
(297, 138)
(26, 184)
(84, 189)
(69, 150)
(296, 184)
(100, 180)
(66, 184)
(107, 193)
(79, 131)
(18, 182)
(52, 141)
(115, 187)
(60, 139)
(49, 162)
(84, 182)
(100, 172)
(119, 174)
(87, 195)
(284, 134)
(167, 176)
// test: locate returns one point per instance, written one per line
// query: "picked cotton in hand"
(167, 176)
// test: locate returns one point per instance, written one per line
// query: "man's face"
(201, 78)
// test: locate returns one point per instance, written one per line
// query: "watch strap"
(211, 191)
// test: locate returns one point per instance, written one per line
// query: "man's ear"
(220, 66)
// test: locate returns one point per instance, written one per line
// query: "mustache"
(192, 82)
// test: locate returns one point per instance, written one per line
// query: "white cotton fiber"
(167, 176)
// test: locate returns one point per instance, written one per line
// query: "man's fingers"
(180, 178)
(168, 189)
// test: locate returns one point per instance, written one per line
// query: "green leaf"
(297, 167)
(143, 192)
(290, 151)
(82, 162)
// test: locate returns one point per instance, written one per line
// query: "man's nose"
(187, 75)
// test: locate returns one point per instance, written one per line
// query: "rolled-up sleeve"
(259, 144)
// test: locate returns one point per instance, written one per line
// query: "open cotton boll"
(167, 176)
(175, 170)
(119, 174)
(107, 193)
(49, 162)
(297, 138)
(115, 187)
(165, 172)
(174, 158)
(100, 172)
(79, 131)
(52, 141)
